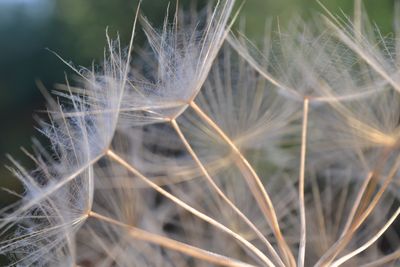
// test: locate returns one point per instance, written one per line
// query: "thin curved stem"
(302, 246)
(254, 182)
(223, 195)
(340, 244)
(384, 260)
(356, 204)
(190, 209)
(348, 256)
(172, 244)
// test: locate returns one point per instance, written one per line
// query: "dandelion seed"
(192, 154)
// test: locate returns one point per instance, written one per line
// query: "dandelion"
(200, 152)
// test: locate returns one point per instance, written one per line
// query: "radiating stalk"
(254, 182)
(190, 209)
(172, 244)
(340, 244)
(222, 194)
(302, 246)
(360, 249)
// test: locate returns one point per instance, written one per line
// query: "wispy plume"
(204, 149)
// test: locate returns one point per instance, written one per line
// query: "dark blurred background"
(75, 29)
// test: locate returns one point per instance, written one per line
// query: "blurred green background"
(76, 30)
